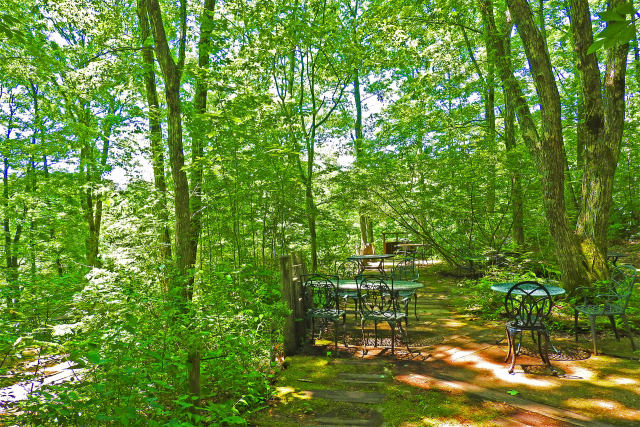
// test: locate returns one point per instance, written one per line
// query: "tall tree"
(187, 207)
(155, 129)
(580, 252)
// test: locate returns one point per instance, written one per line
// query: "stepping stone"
(326, 421)
(345, 396)
(359, 362)
(361, 378)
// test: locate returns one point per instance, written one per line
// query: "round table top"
(615, 255)
(504, 288)
(380, 256)
(398, 285)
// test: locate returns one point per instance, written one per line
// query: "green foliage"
(619, 30)
(279, 154)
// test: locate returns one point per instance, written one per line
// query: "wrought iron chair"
(528, 305)
(610, 302)
(322, 302)
(347, 271)
(406, 269)
(379, 303)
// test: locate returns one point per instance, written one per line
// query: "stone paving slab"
(331, 421)
(362, 378)
(345, 396)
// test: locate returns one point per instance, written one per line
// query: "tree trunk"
(10, 243)
(200, 108)
(365, 222)
(185, 256)
(604, 122)
(155, 134)
(517, 208)
(490, 133)
(548, 150)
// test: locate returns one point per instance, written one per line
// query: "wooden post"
(291, 270)
(302, 323)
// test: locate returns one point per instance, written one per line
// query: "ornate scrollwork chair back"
(322, 301)
(528, 305)
(378, 303)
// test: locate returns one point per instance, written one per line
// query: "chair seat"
(385, 316)
(525, 326)
(325, 313)
(348, 294)
(600, 309)
(406, 294)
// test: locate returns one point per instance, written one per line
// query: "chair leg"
(405, 336)
(613, 326)
(313, 330)
(415, 305)
(628, 331)
(375, 331)
(364, 340)
(510, 344)
(547, 342)
(344, 330)
(393, 337)
(406, 313)
(520, 335)
(592, 321)
(513, 354)
(544, 355)
(575, 323)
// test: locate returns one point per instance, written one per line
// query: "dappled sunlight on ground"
(612, 406)
(622, 381)
(464, 355)
(490, 369)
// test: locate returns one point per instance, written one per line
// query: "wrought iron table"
(362, 261)
(504, 288)
(398, 285)
(613, 256)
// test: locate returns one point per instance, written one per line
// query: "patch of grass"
(409, 406)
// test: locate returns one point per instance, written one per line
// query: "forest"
(159, 158)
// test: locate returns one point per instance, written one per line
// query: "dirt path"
(458, 377)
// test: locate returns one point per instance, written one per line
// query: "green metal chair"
(405, 269)
(347, 271)
(379, 303)
(322, 302)
(528, 305)
(611, 301)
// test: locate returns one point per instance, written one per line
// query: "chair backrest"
(623, 279)
(405, 269)
(320, 291)
(347, 270)
(376, 294)
(528, 303)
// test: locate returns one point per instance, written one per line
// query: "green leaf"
(513, 392)
(595, 46)
(611, 15)
(93, 357)
(626, 9)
